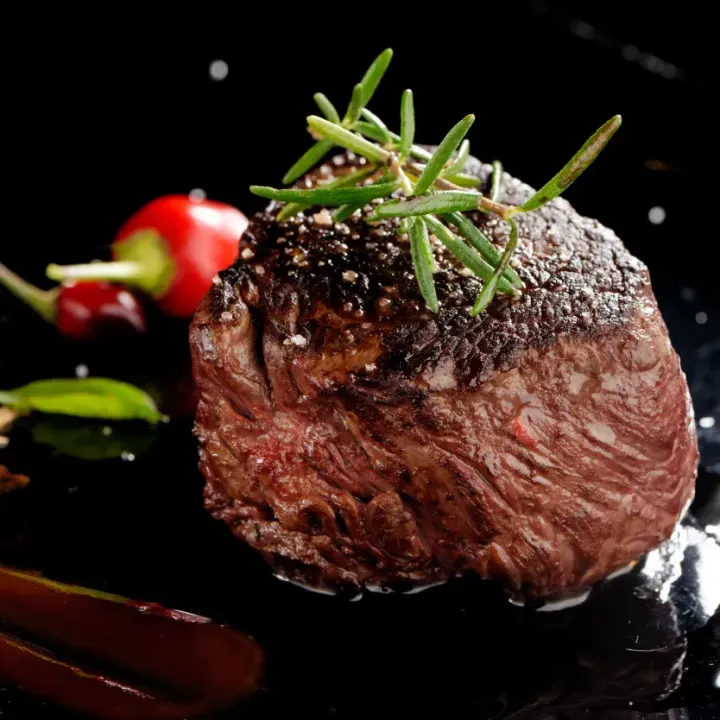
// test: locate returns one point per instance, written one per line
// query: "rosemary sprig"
(437, 187)
(423, 261)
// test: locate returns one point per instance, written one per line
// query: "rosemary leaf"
(374, 74)
(463, 180)
(308, 161)
(423, 261)
(478, 240)
(442, 154)
(458, 164)
(355, 106)
(465, 254)
(369, 130)
(497, 175)
(439, 202)
(326, 107)
(324, 195)
(407, 123)
(488, 292)
(348, 140)
(346, 210)
(383, 134)
(348, 180)
(578, 163)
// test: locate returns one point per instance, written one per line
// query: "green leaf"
(437, 202)
(578, 163)
(464, 180)
(442, 154)
(458, 164)
(325, 195)
(488, 292)
(355, 106)
(308, 161)
(497, 176)
(92, 441)
(348, 180)
(423, 261)
(87, 397)
(348, 140)
(369, 130)
(407, 123)
(468, 256)
(476, 238)
(374, 74)
(345, 211)
(383, 133)
(326, 107)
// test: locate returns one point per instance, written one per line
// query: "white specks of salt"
(247, 253)
(259, 270)
(701, 318)
(197, 195)
(225, 317)
(82, 371)
(370, 367)
(297, 340)
(323, 218)
(349, 276)
(601, 432)
(706, 422)
(217, 281)
(219, 70)
(657, 215)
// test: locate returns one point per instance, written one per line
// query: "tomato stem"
(143, 261)
(43, 302)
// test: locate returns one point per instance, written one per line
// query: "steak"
(356, 439)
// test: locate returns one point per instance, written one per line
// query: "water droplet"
(107, 431)
(82, 371)
(127, 456)
(657, 215)
(219, 70)
(701, 318)
(197, 195)
(706, 422)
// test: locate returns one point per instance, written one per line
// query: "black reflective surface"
(645, 645)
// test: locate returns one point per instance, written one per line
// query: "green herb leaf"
(345, 211)
(578, 163)
(383, 133)
(476, 238)
(423, 261)
(326, 107)
(325, 195)
(488, 292)
(497, 176)
(348, 140)
(442, 154)
(437, 202)
(407, 123)
(308, 161)
(465, 254)
(369, 130)
(293, 208)
(88, 397)
(374, 74)
(463, 180)
(458, 164)
(355, 106)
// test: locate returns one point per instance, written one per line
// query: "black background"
(105, 110)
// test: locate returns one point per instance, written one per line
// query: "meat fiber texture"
(357, 440)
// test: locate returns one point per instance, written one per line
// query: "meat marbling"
(356, 439)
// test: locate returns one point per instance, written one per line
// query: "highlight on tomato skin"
(185, 664)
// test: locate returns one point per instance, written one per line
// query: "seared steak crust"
(354, 437)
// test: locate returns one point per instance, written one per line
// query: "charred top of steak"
(351, 284)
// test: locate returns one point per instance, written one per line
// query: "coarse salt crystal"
(247, 253)
(370, 367)
(216, 280)
(225, 316)
(259, 270)
(297, 340)
(323, 218)
(349, 276)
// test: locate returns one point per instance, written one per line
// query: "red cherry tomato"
(87, 309)
(202, 238)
